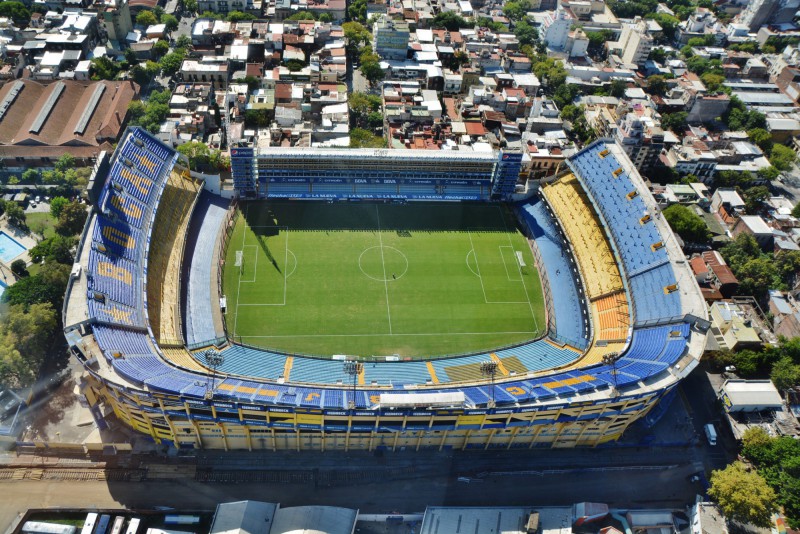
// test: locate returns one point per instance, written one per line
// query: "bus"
(133, 526)
(37, 527)
(117, 528)
(102, 524)
(88, 525)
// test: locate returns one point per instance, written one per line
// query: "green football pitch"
(374, 279)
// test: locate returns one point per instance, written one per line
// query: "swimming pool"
(10, 248)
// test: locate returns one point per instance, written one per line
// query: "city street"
(634, 488)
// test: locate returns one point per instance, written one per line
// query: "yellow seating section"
(592, 251)
(166, 253)
(607, 303)
(181, 357)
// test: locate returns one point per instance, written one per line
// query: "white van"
(711, 434)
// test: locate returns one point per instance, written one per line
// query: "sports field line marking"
(295, 260)
(239, 284)
(478, 274)
(396, 335)
(519, 268)
(502, 257)
(255, 264)
(285, 230)
(477, 266)
(383, 263)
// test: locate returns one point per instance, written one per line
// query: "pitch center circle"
(383, 263)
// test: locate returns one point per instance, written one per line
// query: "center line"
(383, 263)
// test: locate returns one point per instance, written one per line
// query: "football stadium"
(363, 299)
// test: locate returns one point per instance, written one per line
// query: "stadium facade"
(626, 321)
(374, 174)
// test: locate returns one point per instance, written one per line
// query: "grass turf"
(373, 279)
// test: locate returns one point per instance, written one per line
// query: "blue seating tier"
(200, 242)
(632, 229)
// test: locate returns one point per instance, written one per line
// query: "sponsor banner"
(228, 420)
(281, 194)
(241, 152)
(252, 407)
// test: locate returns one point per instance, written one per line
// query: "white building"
(556, 29)
(634, 43)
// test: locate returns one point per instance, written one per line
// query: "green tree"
(571, 112)
(239, 16)
(450, 20)
(564, 95)
(64, 163)
(739, 118)
(712, 81)
(183, 41)
(743, 495)
(31, 176)
(302, 15)
(72, 218)
(657, 84)
(104, 69)
(754, 197)
(15, 11)
(598, 39)
(130, 57)
(796, 211)
(46, 286)
(668, 23)
(781, 157)
(210, 15)
(160, 48)
(618, 88)
(171, 63)
(325, 17)
(256, 117)
(357, 11)
(146, 18)
(190, 6)
(372, 71)
(356, 36)
(200, 155)
(362, 105)
(56, 249)
(757, 275)
(15, 215)
(142, 74)
(525, 33)
(25, 334)
(674, 121)
(516, 10)
(56, 205)
(19, 268)
(785, 374)
(761, 137)
(360, 138)
(170, 22)
(686, 223)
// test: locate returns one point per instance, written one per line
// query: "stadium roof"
(256, 517)
(314, 520)
(372, 153)
(243, 517)
(505, 520)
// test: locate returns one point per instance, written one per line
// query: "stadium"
(378, 300)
